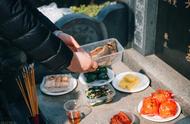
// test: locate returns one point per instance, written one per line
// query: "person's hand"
(82, 62)
(68, 40)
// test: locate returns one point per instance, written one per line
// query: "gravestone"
(111, 22)
(173, 35)
(115, 18)
(83, 28)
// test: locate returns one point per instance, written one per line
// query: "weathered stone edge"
(161, 75)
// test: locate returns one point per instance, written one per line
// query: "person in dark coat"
(27, 33)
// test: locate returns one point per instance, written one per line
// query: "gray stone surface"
(144, 17)
(52, 107)
(185, 120)
(150, 25)
(162, 76)
(140, 9)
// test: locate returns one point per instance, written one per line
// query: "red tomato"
(162, 95)
(120, 118)
(114, 120)
(150, 106)
(124, 118)
(168, 108)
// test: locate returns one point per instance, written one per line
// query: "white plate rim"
(45, 91)
(115, 82)
(81, 79)
(155, 118)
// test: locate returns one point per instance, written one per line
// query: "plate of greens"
(101, 76)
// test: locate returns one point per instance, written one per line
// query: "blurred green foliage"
(90, 10)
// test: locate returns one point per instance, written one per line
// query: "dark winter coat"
(24, 28)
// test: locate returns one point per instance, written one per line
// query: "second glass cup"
(76, 111)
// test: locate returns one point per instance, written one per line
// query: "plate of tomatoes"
(121, 117)
(160, 106)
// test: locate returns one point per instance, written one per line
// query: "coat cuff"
(61, 59)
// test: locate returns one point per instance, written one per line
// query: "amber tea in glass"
(74, 117)
(75, 111)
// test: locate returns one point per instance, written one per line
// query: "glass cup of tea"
(76, 111)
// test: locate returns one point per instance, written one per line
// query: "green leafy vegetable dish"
(98, 92)
(99, 74)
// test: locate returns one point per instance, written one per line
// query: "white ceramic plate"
(144, 82)
(72, 86)
(158, 118)
(110, 74)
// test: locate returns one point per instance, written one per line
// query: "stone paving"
(52, 107)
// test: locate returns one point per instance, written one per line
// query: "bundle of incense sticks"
(27, 86)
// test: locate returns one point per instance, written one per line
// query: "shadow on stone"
(119, 95)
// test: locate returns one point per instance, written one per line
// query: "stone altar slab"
(52, 106)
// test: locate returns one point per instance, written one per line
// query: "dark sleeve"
(20, 25)
(43, 19)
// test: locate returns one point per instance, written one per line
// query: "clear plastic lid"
(97, 95)
(109, 59)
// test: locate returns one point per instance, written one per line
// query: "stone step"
(162, 76)
(185, 120)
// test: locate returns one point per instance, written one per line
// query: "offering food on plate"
(99, 74)
(150, 106)
(160, 103)
(106, 49)
(168, 108)
(120, 118)
(98, 92)
(162, 95)
(129, 82)
(57, 82)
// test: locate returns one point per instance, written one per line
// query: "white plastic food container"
(107, 59)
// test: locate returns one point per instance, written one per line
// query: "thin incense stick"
(28, 89)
